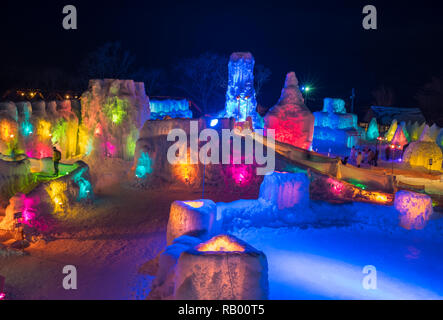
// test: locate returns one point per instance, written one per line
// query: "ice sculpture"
(399, 137)
(143, 166)
(240, 95)
(113, 111)
(334, 128)
(233, 270)
(416, 131)
(434, 130)
(175, 108)
(285, 190)
(185, 217)
(414, 209)
(332, 105)
(405, 131)
(424, 152)
(440, 138)
(290, 118)
(426, 134)
(391, 131)
(372, 133)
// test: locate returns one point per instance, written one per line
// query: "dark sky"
(323, 42)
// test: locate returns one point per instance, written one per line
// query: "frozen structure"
(391, 131)
(33, 128)
(285, 190)
(240, 95)
(222, 268)
(174, 108)
(331, 105)
(414, 209)
(372, 133)
(152, 168)
(439, 139)
(415, 130)
(113, 112)
(190, 217)
(385, 115)
(334, 128)
(290, 118)
(404, 128)
(424, 152)
(434, 130)
(14, 176)
(42, 206)
(399, 138)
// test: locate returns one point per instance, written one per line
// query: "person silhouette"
(56, 157)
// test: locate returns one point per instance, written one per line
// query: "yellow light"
(221, 243)
(7, 129)
(56, 191)
(381, 198)
(194, 204)
(44, 129)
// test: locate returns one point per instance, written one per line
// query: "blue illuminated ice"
(240, 95)
(175, 108)
(372, 132)
(144, 165)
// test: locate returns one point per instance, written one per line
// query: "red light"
(2, 295)
(392, 146)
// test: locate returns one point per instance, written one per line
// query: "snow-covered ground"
(109, 244)
(327, 263)
(315, 251)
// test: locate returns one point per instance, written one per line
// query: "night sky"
(323, 42)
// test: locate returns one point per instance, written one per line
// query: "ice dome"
(424, 153)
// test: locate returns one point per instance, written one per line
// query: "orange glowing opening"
(222, 243)
(194, 204)
(381, 197)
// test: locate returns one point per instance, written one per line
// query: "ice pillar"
(240, 95)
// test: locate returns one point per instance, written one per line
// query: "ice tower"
(240, 95)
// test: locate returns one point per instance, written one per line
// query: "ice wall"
(33, 129)
(14, 176)
(240, 95)
(113, 111)
(152, 168)
(169, 107)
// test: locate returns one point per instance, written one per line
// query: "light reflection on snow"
(334, 279)
(328, 263)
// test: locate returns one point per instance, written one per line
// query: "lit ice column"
(240, 95)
